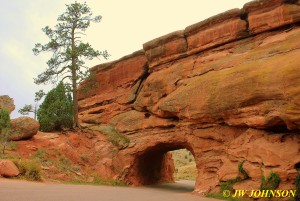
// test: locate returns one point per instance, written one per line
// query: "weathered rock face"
(7, 103)
(227, 89)
(8, 169)
(24, 128)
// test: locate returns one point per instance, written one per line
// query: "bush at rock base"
(29, 169)
(55, 112)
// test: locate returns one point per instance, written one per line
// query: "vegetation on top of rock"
(69, 52)
(55, 112)
(113, 135)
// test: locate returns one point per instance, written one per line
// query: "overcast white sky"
(125, 26)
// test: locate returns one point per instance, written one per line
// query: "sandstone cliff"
(226, 88)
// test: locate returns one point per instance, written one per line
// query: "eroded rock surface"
(23, 128)
(8, 169)
(227, 89)
(7, 103)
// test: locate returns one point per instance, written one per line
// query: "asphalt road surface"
(14, 190)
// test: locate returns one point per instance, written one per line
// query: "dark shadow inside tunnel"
(155, 166)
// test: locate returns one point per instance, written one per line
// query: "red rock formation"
(111, 88)
(165, 48)
(227, 89)
(23, 128)
(7, 103)
(274, 14)
(8, 169)
(216, 30)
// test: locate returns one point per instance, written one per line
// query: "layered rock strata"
(226, 88)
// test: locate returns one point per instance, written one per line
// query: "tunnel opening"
(157, 165)
(185, 165)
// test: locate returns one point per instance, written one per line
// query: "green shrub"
(12, 145)
(242, 171)
(227, 185)
(5, 131)
(56, 112)
(40, 154)
(64, 164)
(271, 183)
(4, 119)
(30, 169)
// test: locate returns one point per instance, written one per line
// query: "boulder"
(8, 169)
(24, 128)
(7, 103)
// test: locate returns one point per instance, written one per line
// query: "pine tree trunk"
(75, 104)
(74, 83)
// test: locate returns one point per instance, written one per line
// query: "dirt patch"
(69, 156)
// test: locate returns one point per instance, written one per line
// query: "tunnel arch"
(155, 165)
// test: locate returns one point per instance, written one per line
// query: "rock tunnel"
(225, 88)
(155, 165)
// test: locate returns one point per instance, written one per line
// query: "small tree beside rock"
(5, 130)
(32, 108)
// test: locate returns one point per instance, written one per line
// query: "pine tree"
(69, 52)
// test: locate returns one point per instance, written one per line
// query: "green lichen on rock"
(113, 135)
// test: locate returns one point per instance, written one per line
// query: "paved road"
(13, 190)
